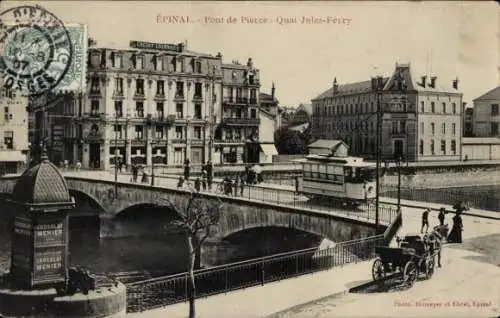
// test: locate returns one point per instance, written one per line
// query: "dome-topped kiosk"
(40, 202)
(39, 283)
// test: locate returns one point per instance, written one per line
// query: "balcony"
(160, 96)
(241, 100)
(253, 101)
(197, 97)
(178, 140)
(196, 142)
(95, 93)
(241, 121)
(139, 95)
(118, 95)
(229, 141)
(179, 97)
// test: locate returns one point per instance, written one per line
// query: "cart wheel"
(429, 268)
(378, 271)
(410, 273)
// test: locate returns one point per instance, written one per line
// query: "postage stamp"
(38, 51)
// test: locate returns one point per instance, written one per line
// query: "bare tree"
(197, 218)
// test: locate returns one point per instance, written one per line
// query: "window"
(197, 111)
(139, 86)
(139, 108)
(443, 128)
(433, 129)
(253, 113)
(197, 90)
(422, 128)
(178, 132)
(159, 109)
(494, 109)
(179, 93)
(443, 147)
(178, 156)
(117, 61)
(453, 129)
(119, 85)
(433, 107)
(94, 85)
(197, 132)
(179, 113)
(8, 139)
(159, 132)
(94, 108)
(251, 79)
(197, 67)
(494, 129)
(398, 127)
(454, 108)
(139, 132)
(118, 108)
(7, 115)
(159, 63)
(421, 147)
(453, 147)
(432, 148)
(138, 62)
(422, 107)
(160, 88)
(443, 108)
(118, 131)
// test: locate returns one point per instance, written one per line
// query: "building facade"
(420, 120)
(486, 114)
(237, 134)
(302, 114)
(150, 103)
(14, 144)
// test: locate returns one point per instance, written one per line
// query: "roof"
(493, 94)
(41, 184)
(235, 66)
(300, 127)
(305, 107)
(123, 48)
(401, 74)
(480, 140)
(324, 143)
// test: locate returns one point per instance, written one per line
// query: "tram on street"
(347, 180)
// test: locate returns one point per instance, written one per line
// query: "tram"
(347, 180)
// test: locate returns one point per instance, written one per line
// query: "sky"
(446, 39)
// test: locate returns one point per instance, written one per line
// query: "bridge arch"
(157, 203)
(249, 227)
(82, 197)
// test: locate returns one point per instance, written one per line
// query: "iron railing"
(168, 290)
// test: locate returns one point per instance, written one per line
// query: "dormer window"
(251, 79)
(179, 64)
(159, 63)
(117, 60)
(197, 67)
(139, 62)
(95, 59)
(234, 75)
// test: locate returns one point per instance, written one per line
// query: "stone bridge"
(238, 213)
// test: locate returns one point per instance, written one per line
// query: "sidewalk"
(265, 300)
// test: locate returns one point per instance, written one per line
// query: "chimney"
(433, 82)
(424, 80)
(250, 62)
(273, 90)
(335, 86)
(455, 83)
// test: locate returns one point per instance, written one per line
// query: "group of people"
(204, 182)
(455, 235)
(136, 169)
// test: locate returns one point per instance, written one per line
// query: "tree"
(197, 218)
(291, 142)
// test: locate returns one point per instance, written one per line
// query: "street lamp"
(398, 160)
(378, 86)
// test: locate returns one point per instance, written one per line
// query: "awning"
(12, 156)
(268, 149)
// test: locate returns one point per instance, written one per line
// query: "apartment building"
(486, 114)
(421, 120)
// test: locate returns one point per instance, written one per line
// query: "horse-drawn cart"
(414, 256)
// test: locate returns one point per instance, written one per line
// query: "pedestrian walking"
(455, 235)
(441, 215)
(197, 184)
(204, 180)
(242, 185)
(180, 182)
(236, 185)
(135, 172)
(425, 220)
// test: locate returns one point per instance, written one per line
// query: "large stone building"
(158, 103)
(486, 114)
(13, 131)
(421, 119)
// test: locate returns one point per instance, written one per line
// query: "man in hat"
(425, 220)
(441, 215)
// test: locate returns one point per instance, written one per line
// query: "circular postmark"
(36, 49)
